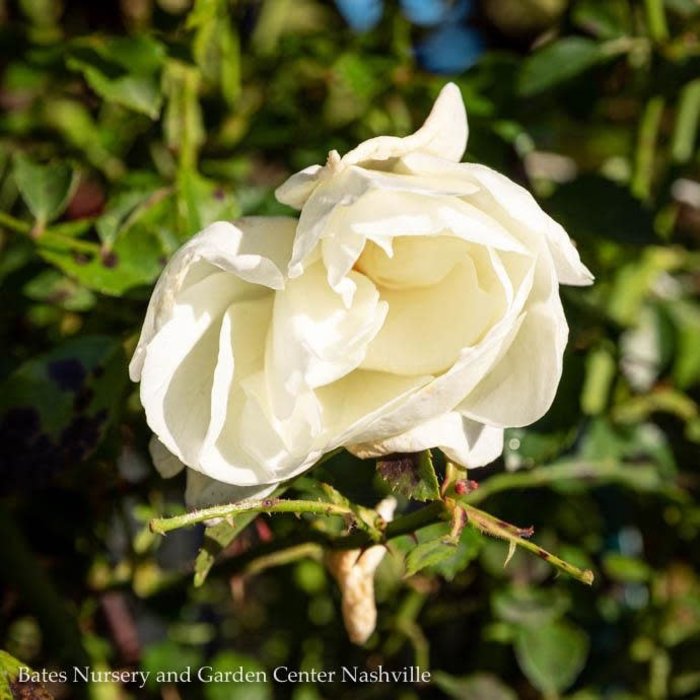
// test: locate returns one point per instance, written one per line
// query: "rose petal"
(313, 343)
(466, 442)
(176, 381)
(297, 189)
(444, 134)
(256, 249)
(521, 387)
(241, 354)
(384, 215)
(518, 204)
(453, 314)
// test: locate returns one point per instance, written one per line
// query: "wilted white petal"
(354, 571)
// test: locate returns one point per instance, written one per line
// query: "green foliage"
(551, 655)
(127, 127)
(44, 188)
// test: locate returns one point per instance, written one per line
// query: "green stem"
(656, 20)
(266, 505)
(404, 525)
(14, 224)
(646, 147)
(60, 240)
(687, 120)
(47, 236)
(285, 556)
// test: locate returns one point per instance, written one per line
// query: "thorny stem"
(271, 554)
(498, 528)
(266, 505)
(282, 550)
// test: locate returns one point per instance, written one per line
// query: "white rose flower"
(413, 304)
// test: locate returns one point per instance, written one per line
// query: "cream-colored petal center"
(443, 296)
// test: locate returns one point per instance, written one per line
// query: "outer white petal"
(256, 250)
(521, 387)
(466, 442)
(443, 134)
(345, 187)
(520, 205)
(178, 365)
(241, 354)
(203, 491)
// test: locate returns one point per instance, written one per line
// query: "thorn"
(511, 552)
(526, 532)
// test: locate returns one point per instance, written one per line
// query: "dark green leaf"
(138, 92)
(557, 63)
(46, 189)
(529, 606)
(139, 54)
(54, 288)
(606, 19)
(617, 215)
(428, 554)
(551, 655)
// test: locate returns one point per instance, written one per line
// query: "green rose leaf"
(558, 62)
(45, 189)
(551, 655)
(411, 475)
(435, 553)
